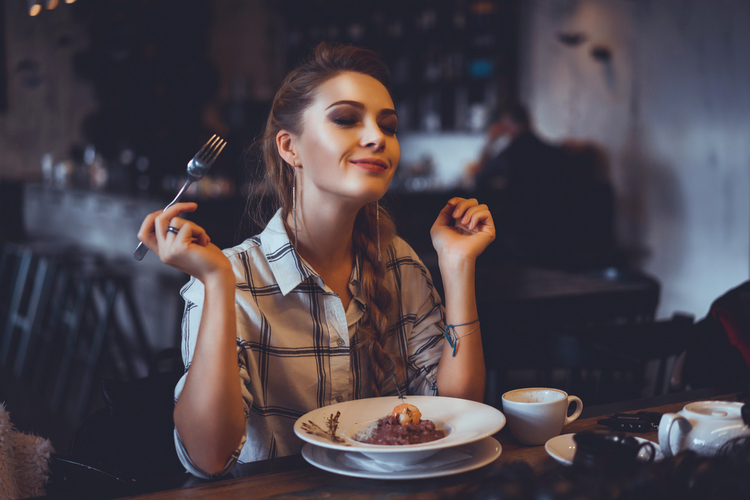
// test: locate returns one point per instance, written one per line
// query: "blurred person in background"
(528, 175)
(553, 204)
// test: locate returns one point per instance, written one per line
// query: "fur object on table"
(24, 461)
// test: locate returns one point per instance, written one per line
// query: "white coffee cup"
(538, 414)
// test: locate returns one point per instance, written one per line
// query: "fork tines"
(211, 149)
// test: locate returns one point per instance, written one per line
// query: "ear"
(285, 144)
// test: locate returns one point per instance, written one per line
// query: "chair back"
(132, 437)
(719, 350)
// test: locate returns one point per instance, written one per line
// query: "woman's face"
(348, 147)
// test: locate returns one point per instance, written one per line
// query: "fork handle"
(179, 195)
(141, 250)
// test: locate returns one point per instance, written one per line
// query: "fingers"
(477, 218)
(469, 214)
(153, 230)
(162, 221)
(187, 232)
(146, 232)
(460, 205)
(445, 215)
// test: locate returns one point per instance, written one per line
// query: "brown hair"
(295, 95)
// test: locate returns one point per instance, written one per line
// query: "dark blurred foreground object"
(128, 441)
(683, 477)
(718, 353)
(610, 450)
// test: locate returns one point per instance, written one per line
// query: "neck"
(324, 234)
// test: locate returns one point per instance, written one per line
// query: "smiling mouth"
(371, 164)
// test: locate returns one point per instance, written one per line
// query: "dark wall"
(3, 61)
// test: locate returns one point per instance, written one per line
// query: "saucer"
(478, 454)
(563, 449)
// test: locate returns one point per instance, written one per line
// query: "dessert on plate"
(403, 426)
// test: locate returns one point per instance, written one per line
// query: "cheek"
(321, 148)
(395, 152)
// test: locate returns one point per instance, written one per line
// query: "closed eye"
(389, 125)
(345, 122)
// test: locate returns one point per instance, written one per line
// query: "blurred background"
(102, 103)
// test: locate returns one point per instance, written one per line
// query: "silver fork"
(196, 169)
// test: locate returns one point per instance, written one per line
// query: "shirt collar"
(289, 268)
(286, 265)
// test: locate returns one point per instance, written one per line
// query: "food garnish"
(331, 422)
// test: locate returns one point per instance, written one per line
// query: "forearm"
(209, 414)
(462, 375)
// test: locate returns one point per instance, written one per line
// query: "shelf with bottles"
(151, 71)
(450, 61)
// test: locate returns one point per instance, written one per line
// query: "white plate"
(470, 421)
(482, 452)
(563, 449)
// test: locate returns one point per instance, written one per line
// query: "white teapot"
(703, 426)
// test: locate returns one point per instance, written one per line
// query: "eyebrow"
(359, 105)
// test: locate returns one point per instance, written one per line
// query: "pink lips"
(371, 164)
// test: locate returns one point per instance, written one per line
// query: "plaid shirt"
(294, 338)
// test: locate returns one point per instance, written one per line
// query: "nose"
(372, 136)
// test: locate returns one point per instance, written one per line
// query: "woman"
(326, 304)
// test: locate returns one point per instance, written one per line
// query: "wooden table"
(293, 477)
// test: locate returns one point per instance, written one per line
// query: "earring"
(294, 204)
(377, 223)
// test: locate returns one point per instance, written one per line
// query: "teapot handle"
(670, 445)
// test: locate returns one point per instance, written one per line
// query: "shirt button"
(340, 342)
(339, 399)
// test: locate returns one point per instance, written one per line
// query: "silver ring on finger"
(173, 230)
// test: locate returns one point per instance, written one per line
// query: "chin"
(372, 193)
(372, 197)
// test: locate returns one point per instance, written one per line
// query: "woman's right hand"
(190, 251)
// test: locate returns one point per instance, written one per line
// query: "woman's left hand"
(463, 229)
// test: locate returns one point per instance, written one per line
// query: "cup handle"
(577, 412)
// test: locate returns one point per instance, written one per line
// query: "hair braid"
(374, 328)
